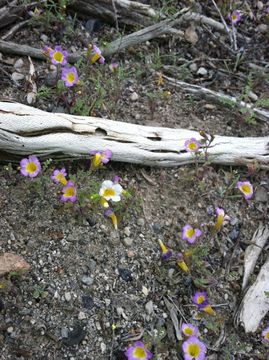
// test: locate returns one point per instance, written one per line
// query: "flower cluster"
(69, 191)
(192, 347)
(59, 57)
(201, 300)
(31, 167)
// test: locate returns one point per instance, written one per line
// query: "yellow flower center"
(60, 177)
(95, 58)
(140, 353)
(96, 161)
(31, 167)
(192, 146)
(246, 189)
(194, 350)
(69, 192)
(70, 77)
(219, 222)
(200, 299)
(190, 233)
(109, 192)
(58, 56)
(234, 17)
(267, 335)
(188, 331)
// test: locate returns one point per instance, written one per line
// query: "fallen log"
(25, 130)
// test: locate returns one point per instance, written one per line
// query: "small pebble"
(193, 67)
(64, 332)
(10, 329)
(145, 290)
(149, 307)
(67, 296)
(127, 231)
(202, 71)
(44, 38)
(87, 302)
(82, 315)
(103, 347)
(141, 222)
(262, 28)
(134, 96)
(17, 76)
(252, 96)
(127, 241)
(125, 274)
(18, 64)
(87, 280)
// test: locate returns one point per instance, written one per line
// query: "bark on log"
(127, 12)
(25, 130)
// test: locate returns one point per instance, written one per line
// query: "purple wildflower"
(190, 234)
(138, 352)
(59, 176)
(69, 192)
(194, 349)
(235, 17)
(30, 167)
(100, 157)
(96, 55)
(70, 76)
(189, 330)
(246, 188)
(192, 145)
(166, 253)
(201, 300)
(117, 179)
(58, 55)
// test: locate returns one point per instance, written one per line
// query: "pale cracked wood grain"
(25, 130)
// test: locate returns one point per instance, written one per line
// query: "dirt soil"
(92, 290)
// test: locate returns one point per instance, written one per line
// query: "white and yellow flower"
(111, 191)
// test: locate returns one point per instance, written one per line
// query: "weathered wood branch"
(11, 12)
(255, 304)
(132, 39)
(127, 12)
(25, 130)
(220, 98)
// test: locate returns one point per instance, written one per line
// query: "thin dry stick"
(14, 29)
(224, 23)
(116, 15)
